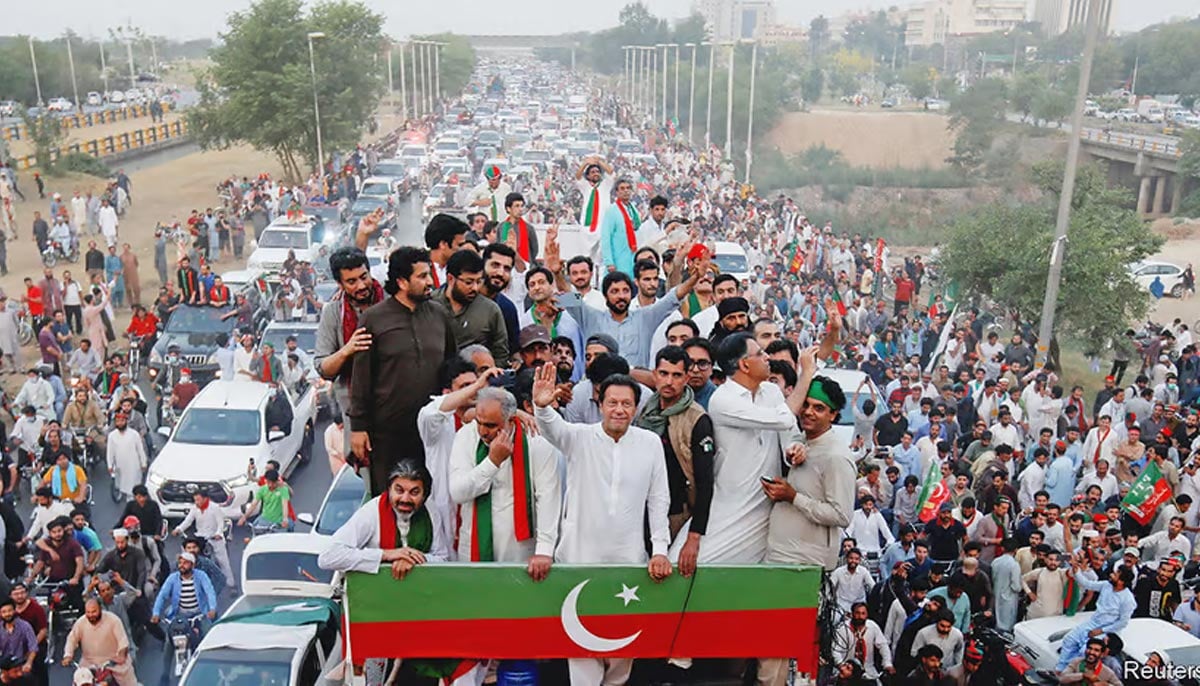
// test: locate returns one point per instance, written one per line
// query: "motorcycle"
(60, 613)
(83, 446)
(185, 636)
(56, 251)
(102, 675)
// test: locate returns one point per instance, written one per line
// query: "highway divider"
(16, 132)
(149, 138)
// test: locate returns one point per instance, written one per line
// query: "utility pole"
(653, 83)
(391, 86)
(129, 54)
(429, 94)
(729, 105)
(675, 108)
(666, 48)
(424, 81)
(712, 65)
(750, 124)
(37, 82)
(403, 88)
(692, 94)
(312, 65)
(153, 56)
(74, 85)
(103, 69)
(437, 72)
(416, 107)
(1054, 277)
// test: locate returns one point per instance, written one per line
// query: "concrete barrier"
(119, 145)
(16, 132)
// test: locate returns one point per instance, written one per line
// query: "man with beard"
(488, 197)
(734, 317)
(396, 375)
(632, 330)
(1088, 668)
(1045, 587)
(474, 319)
(618, 230)
(929, 669)
(1114, 606)
(579, 272)
(17, 638)
(945, 636)
(102, 640)
(516, 232)
(701, 304)
(562, 351)
(545, 312)
(686, 432)
(594, 180)
(62, 560)
(861, 638)
(1158, 595)
(339, 334)
(499, 260)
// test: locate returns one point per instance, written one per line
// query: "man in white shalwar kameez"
(126, 455)
(486, 452)
(604, 524)
(108, 223)
(438, 422)
(754, 425)
(1101, 443)
(78, 213)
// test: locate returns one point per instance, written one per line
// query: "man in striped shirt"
(186, 593)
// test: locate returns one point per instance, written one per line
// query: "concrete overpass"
(1151, 162)
(513, 43)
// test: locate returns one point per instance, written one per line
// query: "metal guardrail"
(16, 132)
(116, 143)
(1128, 141)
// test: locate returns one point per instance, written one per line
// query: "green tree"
(456, 62)
(1189, 148)
(1002, 253)
(1052, 105)
(690, 29)
(259, 90)
(1025, 89)
(812, 84)
(975, 115)
(918, 78)
(46, 133)
(818, 35)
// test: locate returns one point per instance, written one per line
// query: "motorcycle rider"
(102, 639)
(273, 500)
(38, 392)
(26, 434)
(137, 421)
(183, 392)
(62, 561)
(119, 598)
(86, 420)
(187, 593)
(60, 238)
(84, 362)
(126, 389)
(205, 563)
(46, 509)
(66, 479)
(143, 327)
(108, 379)
(155, 572)
(28, 609)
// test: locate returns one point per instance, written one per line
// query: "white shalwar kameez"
(126, 456)
(611, 487)
(437, 429)
(468, 481)
(751, 431)
(108, 225)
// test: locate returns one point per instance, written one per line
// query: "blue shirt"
(918, 424)
(169, 593)
(895, 552)
(633, 334)
(1113, 608)
(961, 608)
(909, 461)
(614, 242)
(704, 394)
(1060, 480)
(88, 539)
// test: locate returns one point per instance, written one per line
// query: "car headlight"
(155, 481)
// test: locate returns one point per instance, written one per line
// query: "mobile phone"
(767, 479)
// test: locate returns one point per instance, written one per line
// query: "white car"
(382, 187)
(223, 428)
(280, 237)
(730, 258)
(94, 99)
(851, 381)
(1170, 274)
(346, 494)
(60, 105)
(116, 97)
(1039, 641)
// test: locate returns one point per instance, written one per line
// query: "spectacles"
(702, 364)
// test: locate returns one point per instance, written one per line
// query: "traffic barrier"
(16, 132)
(1133, 142)
(116, 143)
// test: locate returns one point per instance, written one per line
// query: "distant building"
(1060, 16)
(736, 19)
(933, 21)
(782, 34)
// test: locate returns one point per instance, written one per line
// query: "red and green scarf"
(522, 237)
(350, 321)
(420, 528)
(553, 326)
(481, 523)
(591, 215)
(630, 216)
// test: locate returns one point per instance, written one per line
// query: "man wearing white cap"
(186, 593)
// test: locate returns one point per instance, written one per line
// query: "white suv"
(282, 235)
(224, 427)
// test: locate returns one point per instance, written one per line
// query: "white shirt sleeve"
(352, 547)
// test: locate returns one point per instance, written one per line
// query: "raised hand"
(544, 390)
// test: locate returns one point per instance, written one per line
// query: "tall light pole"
(129, 54)
(403, 88)
(1058, 248)
(729, 104)
(712, 65)
(37, 82)
(675, 107)
(103, 69)
(74, 85)
(424, 80)
(427, 61)
(692, 94)
(437, 70)
(312, 65)
(666, 48)
(391, 86)
(750, 124)
(416, 107)
(653, 83)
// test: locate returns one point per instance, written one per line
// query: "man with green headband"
(488, 197)
(686, 431)
(813, 505)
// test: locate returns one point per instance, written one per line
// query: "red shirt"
(904, 290)
(143, 326)
(33, 299)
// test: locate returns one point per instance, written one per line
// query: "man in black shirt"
(890, 428)
(1159, 594)
(93, 260)
(149, 517)
(945, 535)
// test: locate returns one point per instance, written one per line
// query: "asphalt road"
(309, 483)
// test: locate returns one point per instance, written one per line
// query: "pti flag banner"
(496, 611)
(1148, 493)
(933, 493)
(797, 259)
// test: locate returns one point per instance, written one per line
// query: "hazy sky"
(205, 18)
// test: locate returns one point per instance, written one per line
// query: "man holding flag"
(1114, 607)
(506, 483)
(594, 180)
(488, 197)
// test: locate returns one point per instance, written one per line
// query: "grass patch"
(821, 166)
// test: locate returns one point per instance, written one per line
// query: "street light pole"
(1058, 248)
(403, 88)
(424, 82)
(103, 69)
(37, 82)
(692, 95)
(729, 104)
(74, 85)
(750, 124)
(428, 62)
(391, 86)
(675, 108)
(712, 64)
(312, 65)
(416, 107)
(666, 48)
(437, 71)
(653, 83)
(129, 54)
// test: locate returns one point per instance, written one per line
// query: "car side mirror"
(275, 435)
(164, 431)
(306, 518)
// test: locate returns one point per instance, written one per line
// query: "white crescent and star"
(580, 635)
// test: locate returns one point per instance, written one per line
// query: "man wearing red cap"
(488, 197)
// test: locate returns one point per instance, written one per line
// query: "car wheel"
(306, 445)
(1177, 290)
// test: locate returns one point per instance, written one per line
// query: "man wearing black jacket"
(1158, 594)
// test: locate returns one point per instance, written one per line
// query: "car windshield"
(286, 565)
(855, 400)
(219, 426)
(190, 319)
(731, 263)
(345, 497)
(536, 155)
(391, 168)
(364, 205)
(1183, 655)
(284, 239)
(376, 188)
(306, 338)
(232, 667)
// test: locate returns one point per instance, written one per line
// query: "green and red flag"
(797, 259)
(1072, 596)
(1147, 494)
(837, 301)
(933, 493)
(497, 611)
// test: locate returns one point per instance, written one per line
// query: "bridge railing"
(1130, 141)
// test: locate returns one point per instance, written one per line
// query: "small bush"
(1190, 205)
(83, 164)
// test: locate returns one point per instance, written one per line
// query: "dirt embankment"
(877, 139)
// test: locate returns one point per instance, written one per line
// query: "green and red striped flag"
(1072, 596)
(933, 493)
(837, 301)
(797, 259)
(497, 611)
(1147, 494)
